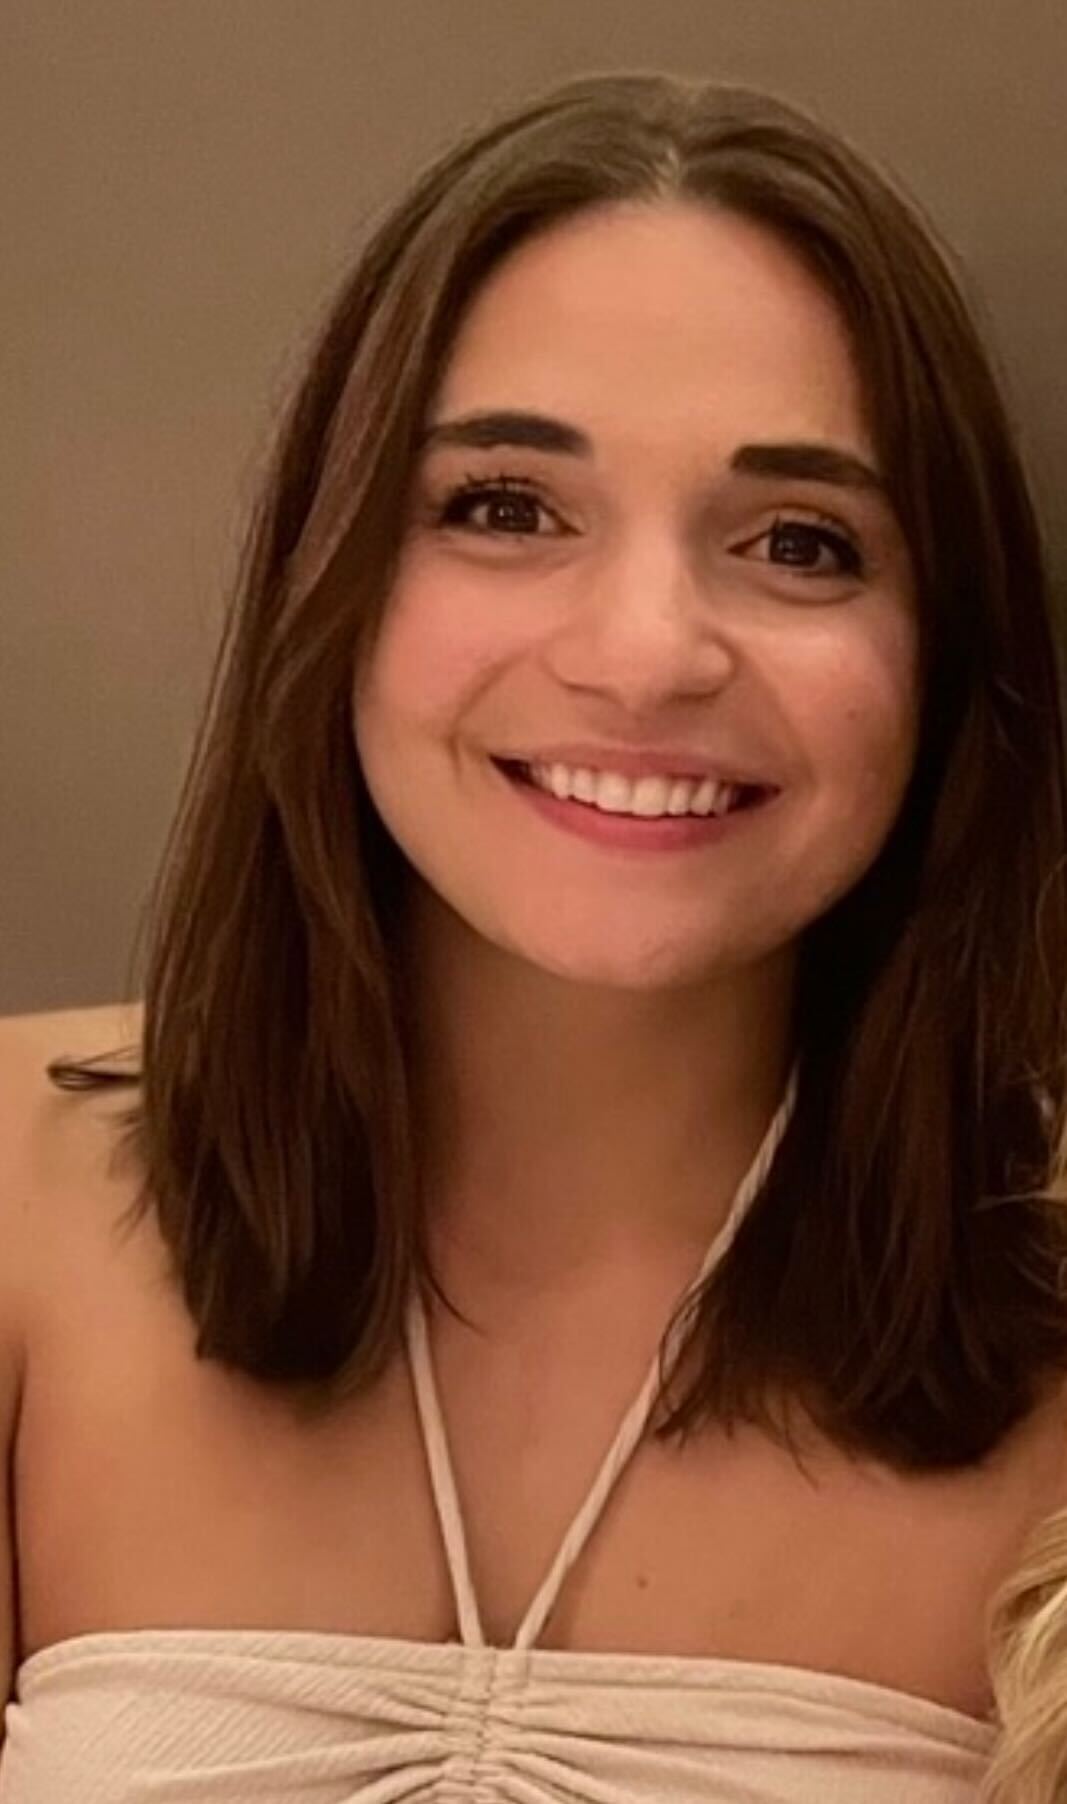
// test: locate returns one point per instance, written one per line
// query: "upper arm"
(19, 1105)
(32, 1115)
(10, 1390)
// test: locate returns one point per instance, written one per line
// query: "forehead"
(647, 321)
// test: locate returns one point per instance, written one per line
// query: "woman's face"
(663, 570)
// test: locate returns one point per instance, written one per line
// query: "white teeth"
(616, 795)
(559, 781)
(648, 797)
(707, 795)
(679, 799)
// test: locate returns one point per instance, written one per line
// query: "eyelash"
(476, 489)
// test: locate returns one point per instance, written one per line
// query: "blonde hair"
(1026, 1628)
(1026, 1634)
(1026, 1623)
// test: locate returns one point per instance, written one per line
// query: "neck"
(615, 1123)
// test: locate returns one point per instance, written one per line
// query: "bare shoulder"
(53, 1141)
(75, 1283)
(28, 1043)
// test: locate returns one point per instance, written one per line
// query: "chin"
(645, 971)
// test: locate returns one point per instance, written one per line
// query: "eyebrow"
(800, 460)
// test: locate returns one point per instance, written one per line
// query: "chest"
(153, 1489)
(724, 1547)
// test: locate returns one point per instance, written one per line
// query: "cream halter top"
(243, 1716)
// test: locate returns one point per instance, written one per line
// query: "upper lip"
(662, 762)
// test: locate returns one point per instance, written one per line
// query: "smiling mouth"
(749, 795)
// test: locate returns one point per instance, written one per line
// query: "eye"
(810, 549)
(511, 507)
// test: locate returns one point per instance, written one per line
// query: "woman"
(589, 1320)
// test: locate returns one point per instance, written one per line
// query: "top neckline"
(632, 1426)
(864, 1695)
(337, 1647)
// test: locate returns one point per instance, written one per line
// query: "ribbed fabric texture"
(240, 1716)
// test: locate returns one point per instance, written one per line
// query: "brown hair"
(902, 1267)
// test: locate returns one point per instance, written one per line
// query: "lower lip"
(670, 833)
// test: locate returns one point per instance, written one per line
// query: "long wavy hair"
(902, 1269)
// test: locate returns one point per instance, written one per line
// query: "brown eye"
(511, 509)
(805, 547)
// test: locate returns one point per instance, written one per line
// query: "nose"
(642, 629)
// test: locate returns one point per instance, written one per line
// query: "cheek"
(440, 650)
(858, 726)
(436, 653)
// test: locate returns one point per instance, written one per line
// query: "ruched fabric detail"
(178, 1716)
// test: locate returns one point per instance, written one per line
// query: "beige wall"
(189, 178)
